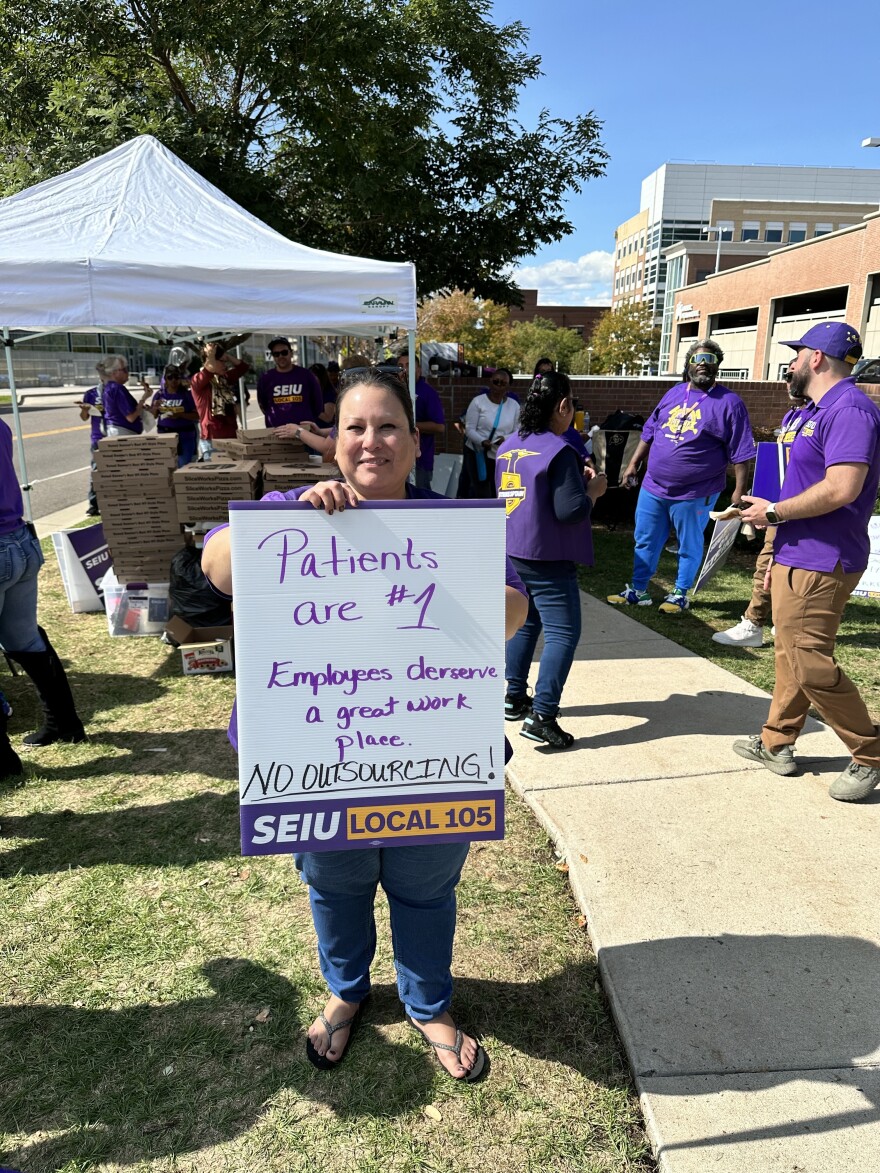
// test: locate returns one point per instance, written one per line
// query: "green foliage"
(526, 342)
(478, 324)
(626, 339)
(381, 129)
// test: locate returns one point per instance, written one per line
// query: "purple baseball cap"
(836, 339)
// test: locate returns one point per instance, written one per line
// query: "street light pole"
(589, 358)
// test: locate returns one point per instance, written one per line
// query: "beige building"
(629, 261)
(753, 308)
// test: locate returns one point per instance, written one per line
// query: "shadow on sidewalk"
(723, 714)
(777, 1007)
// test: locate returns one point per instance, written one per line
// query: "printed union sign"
(370, 673)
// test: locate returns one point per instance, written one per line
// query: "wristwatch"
(772, 515)
(297, 433)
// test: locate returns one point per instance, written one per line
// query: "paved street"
(56, 450)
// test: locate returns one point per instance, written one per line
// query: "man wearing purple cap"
(820, 552)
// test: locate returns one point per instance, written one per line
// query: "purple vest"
(521, 469)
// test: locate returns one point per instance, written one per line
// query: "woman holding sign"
(376, 449)
(549, 496)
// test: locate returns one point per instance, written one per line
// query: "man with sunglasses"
(820, 552)
(430, 421)
(289, 395)
(697, 429)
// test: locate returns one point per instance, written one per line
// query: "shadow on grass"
(93, 692)
(180, 833)
(148, 1081)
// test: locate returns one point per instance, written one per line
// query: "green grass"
(138, 949)
(720, 605)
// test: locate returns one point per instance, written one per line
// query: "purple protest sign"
(90, 547)
(770, 465)
(370, 673)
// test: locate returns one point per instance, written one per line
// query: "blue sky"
(769, 82)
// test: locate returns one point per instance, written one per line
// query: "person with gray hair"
(697, 429)
(122, 412)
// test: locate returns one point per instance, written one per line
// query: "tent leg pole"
(242, 398)
(22, 464)
(411, 350)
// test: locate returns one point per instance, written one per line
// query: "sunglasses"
(707, 357)
(279, 353)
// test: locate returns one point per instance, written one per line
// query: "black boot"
(50, 680)
(10, 762)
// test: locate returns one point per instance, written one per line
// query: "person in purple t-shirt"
(430, 422)
(91, 406)
(21, 638)
(175, 411)
(122, 412)
(697, 429)
(820, 552)
(289, 395)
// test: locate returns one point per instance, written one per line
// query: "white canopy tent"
(137, 241)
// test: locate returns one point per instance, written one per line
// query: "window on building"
(773, 233)
(823, 229)
(702, 274)
(750, 230)
(725, 229)
(797, 233)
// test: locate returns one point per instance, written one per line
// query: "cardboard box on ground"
(203, 650)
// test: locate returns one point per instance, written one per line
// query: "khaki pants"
(758, 609)
(807, 609)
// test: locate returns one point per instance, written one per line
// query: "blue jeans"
(20, 562)
(555, 606)
(419, 882)
(653, 518)
(186, 448)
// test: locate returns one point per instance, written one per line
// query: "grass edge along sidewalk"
(156, 987)
(720, 605)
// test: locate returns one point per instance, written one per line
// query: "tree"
(384, 128)
(540, 338)
(477, 323)
(626, 339)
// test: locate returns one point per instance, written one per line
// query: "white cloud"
(586, 281)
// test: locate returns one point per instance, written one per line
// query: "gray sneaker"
(855, 783)
(781, 762)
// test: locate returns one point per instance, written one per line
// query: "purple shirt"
(94, 397)
(429, 409)
(694, 436)
(844, 429)
(119, 403)
(182, 401)
(11, 505)
(289, 397)
(573, 437)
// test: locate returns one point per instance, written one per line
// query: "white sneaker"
(745, 635)
(773, 630)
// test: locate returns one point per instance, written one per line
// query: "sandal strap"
(454, 1048)
(331, 1029)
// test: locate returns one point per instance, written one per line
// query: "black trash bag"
(191, 595)
(622, 421)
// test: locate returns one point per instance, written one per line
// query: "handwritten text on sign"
(370, 673)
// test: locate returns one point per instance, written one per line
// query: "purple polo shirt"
(175, 406)
(429, 409)
(11, 505)
(694, 436)
(118, 403)
(94, 397)
(844, 429)
(289, 397)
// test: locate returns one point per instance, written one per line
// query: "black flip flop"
(321, 1061)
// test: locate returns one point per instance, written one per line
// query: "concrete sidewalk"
(735, 914)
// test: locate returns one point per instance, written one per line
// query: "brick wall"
(767, 402)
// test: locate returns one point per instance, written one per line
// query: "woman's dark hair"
(542, 401)
(504, 371)
(703, 344)
(172, 372)
(320, 372)
(375, 377)
(539, 363)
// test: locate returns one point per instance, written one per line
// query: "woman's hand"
(597, 486)
(289, 431)
(331, 496)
